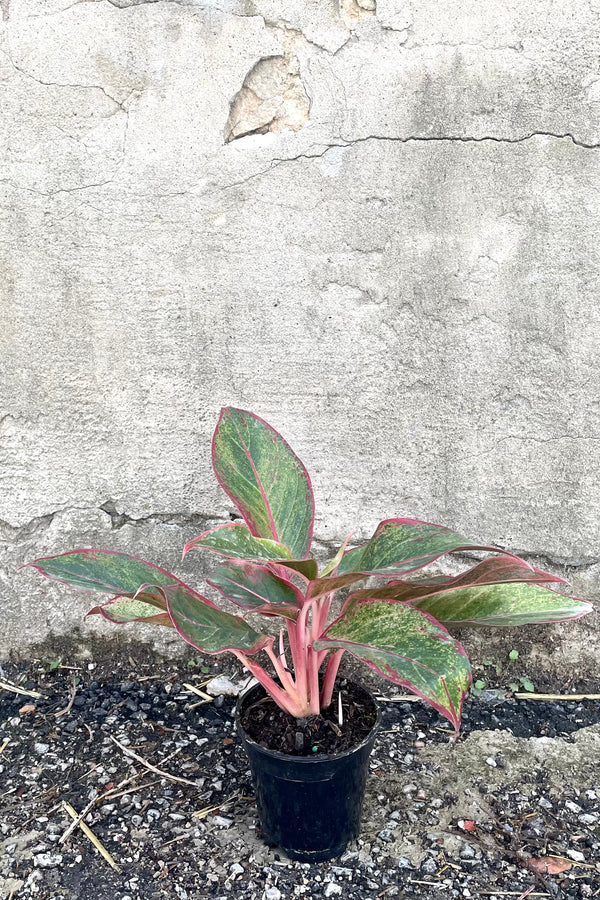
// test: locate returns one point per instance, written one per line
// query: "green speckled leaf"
(206, 627)
(102, 570)
(406, 646)
(122, 610)
(400, 546)
(502, 604)
(255, 587)
(237, 541)
(265, 479)
(496, 570)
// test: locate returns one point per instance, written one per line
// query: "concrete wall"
(376, 227)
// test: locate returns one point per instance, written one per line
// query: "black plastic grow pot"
(309, 806)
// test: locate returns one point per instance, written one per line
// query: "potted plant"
(307, 737)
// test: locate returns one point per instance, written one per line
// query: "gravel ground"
(441, 819)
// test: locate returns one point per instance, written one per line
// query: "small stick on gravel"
(400, 698)
(203, 813)
(565, 697)
(5, 744)
(206, 697)
(526, 893)
(5, 686)
(90, 834)
(68, 707)
(152, 768)
(92, 802)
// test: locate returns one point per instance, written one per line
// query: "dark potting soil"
(327, 733)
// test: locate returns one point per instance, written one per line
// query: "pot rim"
(318, 757)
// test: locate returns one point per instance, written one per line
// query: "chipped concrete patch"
(352, 11)
(272, 97)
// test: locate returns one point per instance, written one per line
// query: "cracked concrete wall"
(385, 244)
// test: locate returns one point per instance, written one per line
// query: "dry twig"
(206, 697)
(203, 813)
(68, 707)
(5, 686)
(566, 697)
(152, 768)
(90, 834)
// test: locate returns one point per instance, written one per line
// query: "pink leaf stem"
(330, 676)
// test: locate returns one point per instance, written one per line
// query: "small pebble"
(272, 893)
(236, 869)
(574, 807)
(429, 866)
(332, 889)
(222, 821)
(577, 855)
(403, 862)
(41, 748)
(491, 762)
(47, 860)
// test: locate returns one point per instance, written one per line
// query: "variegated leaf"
(257, 588)
(502, 604)
(400, 546)
(496, 570)
(406, 646)
(206, 627)
(124, 609)
(102, 570)
(265, 479)
(237, 541)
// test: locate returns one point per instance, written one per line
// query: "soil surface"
(442, 819)
(342, 726)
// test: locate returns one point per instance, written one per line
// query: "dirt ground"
(442, 819)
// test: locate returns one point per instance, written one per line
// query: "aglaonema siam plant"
(397, 628)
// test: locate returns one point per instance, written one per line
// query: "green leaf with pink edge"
(125, 609)
(400, 546)
(238, 541)
(497, 570)
(264, 478)
(254, 587)
(328, 583)
(406, 646)
(206, 627)
(90, 569)
(505, 605)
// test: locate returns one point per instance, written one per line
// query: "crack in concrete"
(179, 520)
(15, 534)
(412, 139)
(10, 534)
(90, 87)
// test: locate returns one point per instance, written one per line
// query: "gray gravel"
(439, 822)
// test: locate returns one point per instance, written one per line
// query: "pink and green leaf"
(406, 646)
(502, 605)
(254, 587)
(265, 479)
(197, 619)
(496, 570)
(125, 609)
(206, 627)
(329, 583)
(400, 546)
(238, 541)
(308, 568)
(102, 570)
